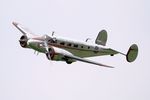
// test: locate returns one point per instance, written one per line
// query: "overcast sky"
(25, 76)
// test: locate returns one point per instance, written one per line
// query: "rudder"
(101, 38)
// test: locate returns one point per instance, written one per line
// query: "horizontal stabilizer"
(101, 38)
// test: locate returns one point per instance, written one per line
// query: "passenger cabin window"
(62, 43)
(75, 45)
(88, 47)
(69, 44)
(81, 46)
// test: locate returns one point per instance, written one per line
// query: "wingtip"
(106, 66)
(109, 66)
(15, 23)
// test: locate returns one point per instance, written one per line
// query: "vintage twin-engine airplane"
(58, 49)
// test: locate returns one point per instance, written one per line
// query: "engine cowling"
(57, 54)
(23, 41)
(50, 54)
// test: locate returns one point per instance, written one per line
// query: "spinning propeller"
(47, 49)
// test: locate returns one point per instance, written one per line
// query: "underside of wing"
(86, 60)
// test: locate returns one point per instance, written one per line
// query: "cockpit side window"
(52, 40)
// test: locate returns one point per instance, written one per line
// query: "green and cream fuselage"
(80, 49)
(60, 49)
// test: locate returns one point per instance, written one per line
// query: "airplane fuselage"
(81, 49)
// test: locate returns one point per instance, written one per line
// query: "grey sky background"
(25, 76)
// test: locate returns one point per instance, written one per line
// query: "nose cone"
(15, 23)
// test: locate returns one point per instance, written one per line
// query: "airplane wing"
(23, 29)
(85, 60)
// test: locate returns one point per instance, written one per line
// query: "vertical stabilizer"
(101, 38)
(132, 53)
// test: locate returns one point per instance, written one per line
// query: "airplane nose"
(23, 41)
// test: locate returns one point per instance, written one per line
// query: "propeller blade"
(46, 47)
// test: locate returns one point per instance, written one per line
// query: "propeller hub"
(23, 41)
